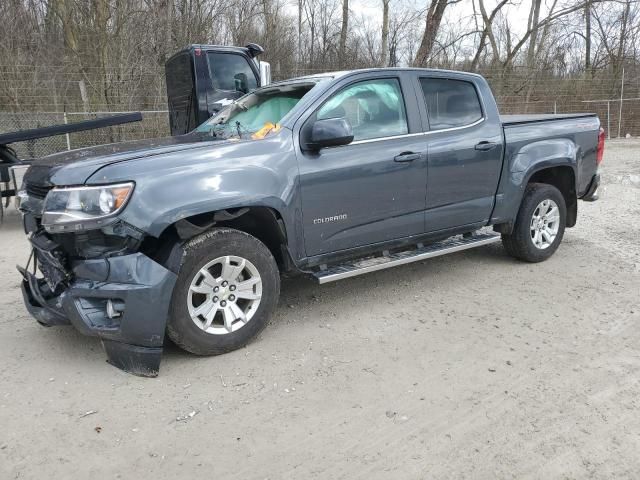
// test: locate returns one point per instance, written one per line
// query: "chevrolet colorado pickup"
(329, 176)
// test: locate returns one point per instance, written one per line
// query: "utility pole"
(300, 5)
(621, 97)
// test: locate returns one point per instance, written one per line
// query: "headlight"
(84, 207)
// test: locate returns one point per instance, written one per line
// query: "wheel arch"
(563, 177)
(560, 173)
(264, 223)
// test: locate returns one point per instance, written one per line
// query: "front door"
(373, 189)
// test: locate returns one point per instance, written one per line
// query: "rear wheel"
(540, 224)
(226, 291)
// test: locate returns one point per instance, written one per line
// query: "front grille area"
(37, 191)
(52, 260)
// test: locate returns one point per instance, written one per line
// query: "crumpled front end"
(101, 283)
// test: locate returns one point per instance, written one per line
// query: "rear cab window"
(232, 72)
(450, 103)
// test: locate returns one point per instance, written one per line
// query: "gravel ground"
(471, 365)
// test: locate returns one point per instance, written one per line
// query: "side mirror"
(241, 82)
(330, 132)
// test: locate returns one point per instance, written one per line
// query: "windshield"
(257, 113)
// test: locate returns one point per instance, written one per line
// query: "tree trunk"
(432, 25)
(624, 23)
(64, 9)
(487, 33)
(385, 33)
(343, 32)
(587, 37)
(169, 30)
(299, 55)
(269, 22)
(534, 19)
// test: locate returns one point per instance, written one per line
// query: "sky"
(518, 14)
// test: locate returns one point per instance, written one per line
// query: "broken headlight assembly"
(81, 208)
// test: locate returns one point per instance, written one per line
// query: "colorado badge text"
(335, 218)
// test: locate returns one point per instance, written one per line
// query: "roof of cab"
(343, 73)
(222, 48)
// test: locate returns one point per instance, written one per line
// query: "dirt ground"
(471, 365)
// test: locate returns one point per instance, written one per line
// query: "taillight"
(600, 149)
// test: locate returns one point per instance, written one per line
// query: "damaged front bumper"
(124, 300)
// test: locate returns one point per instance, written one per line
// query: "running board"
(373, 264)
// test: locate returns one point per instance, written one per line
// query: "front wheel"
(227, 289)
(540, 224)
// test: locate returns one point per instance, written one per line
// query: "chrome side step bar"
(373, 264)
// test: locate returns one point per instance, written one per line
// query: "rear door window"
(230, 71)
(374, 108)
(450, 103)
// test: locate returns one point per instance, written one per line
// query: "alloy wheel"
(224, 295)
(545, 223)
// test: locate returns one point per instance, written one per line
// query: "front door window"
(374, 108)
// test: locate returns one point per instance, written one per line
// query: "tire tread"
(518, 243)
(199, 248)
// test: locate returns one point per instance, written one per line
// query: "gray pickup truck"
(329, 176)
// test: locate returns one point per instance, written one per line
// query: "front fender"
(260, 173)
(164, 201)
(169, 217)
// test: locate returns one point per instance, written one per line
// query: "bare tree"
(385, 33)
(109, 54)
(344, 30)
(587, 36)
(487, 32)
(432, 25)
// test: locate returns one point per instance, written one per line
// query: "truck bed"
(540, 134)
(544, 117)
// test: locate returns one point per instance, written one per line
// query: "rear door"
(464, 152)
(373, 189)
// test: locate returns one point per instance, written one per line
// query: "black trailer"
(10, 163)
(203, 79)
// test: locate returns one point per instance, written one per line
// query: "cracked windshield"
(258, 113)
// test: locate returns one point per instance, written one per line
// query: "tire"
(530, 240)
(198, 323)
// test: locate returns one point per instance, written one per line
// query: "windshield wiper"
(218, 130)
(240, 129)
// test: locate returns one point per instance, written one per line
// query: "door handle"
(485, 146)
(406, 157)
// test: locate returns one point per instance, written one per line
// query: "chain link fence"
(617, 121)
(35, 92)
